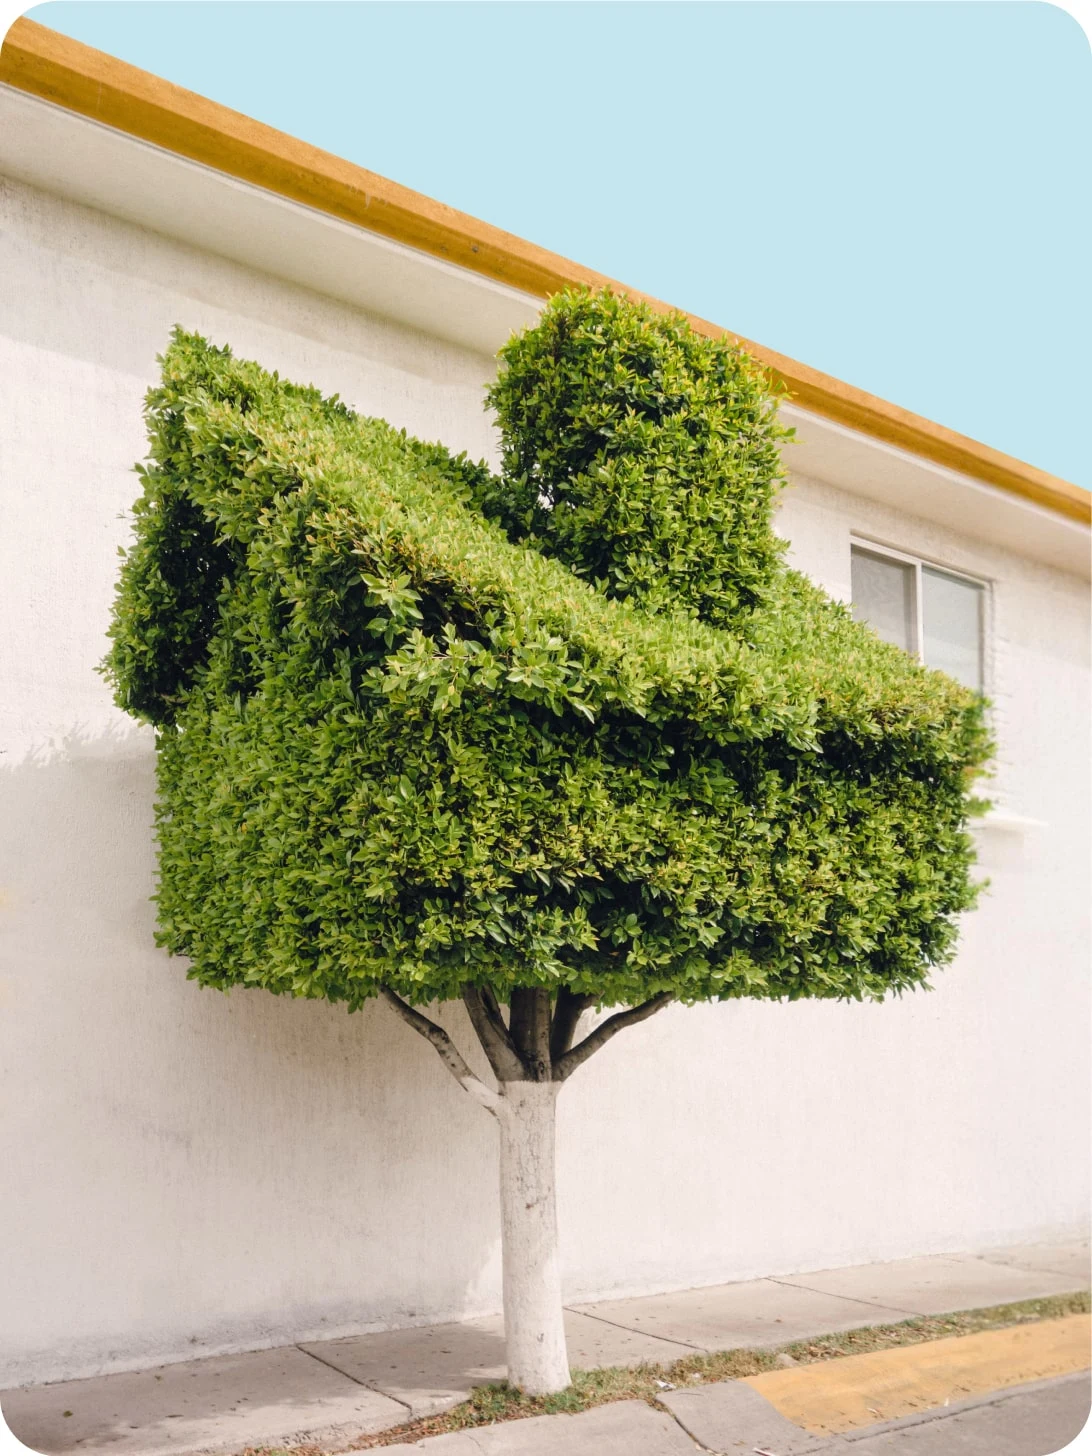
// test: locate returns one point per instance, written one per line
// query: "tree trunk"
(531, 1056)
(533, 1319)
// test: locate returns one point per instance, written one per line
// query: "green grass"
(491, 1403)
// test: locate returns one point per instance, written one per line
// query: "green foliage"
(397, 746)
(641, 454)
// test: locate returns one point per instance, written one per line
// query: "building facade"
(190, 1172)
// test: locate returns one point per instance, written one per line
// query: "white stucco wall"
(188, 1172)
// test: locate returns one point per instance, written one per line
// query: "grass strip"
(489, 1404)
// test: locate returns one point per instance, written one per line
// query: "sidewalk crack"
(851, 1298)
(631, 1331)
(366, 1384)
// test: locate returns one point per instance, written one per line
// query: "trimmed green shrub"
(641, 454)
(574, 727)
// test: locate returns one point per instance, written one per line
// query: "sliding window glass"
(884, 593)
(951, 615)
(937, 616)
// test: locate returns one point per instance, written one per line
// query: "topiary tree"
(552, 741)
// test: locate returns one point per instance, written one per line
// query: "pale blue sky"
(896, 193)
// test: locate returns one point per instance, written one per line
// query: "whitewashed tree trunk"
(534, 1327)
(531, 1056)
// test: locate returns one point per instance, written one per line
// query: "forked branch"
(496, 1042)
(449, 1053)
(566, 1065)
(568, 1010)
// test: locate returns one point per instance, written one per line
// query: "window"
(935, 615)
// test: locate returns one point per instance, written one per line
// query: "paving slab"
(760, 1312)
(625, 1428)
(933, 1285)
(1072, 1258)
(455, 1443)
(429, 1368)
(435, 1367)
(199, 1405)
(730, 1416)
(594, 1343)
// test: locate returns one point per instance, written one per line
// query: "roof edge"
(67, 73)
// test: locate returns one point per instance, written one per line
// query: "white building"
(187, 1172)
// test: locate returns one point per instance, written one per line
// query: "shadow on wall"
(193, 1171)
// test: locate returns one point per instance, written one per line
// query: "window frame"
(908, 558)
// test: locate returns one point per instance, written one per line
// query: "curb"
(863, 1391)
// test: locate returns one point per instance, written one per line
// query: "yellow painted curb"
(863, 1390)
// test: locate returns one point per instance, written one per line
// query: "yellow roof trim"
(67, 73)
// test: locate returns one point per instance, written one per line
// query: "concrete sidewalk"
(336, 1390)
(1028, 1420)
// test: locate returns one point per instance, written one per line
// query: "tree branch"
(492, 1005)
(493, 1034)
(449, 1053)
(529, 1029)
(567, 1013)
(568, 1064)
